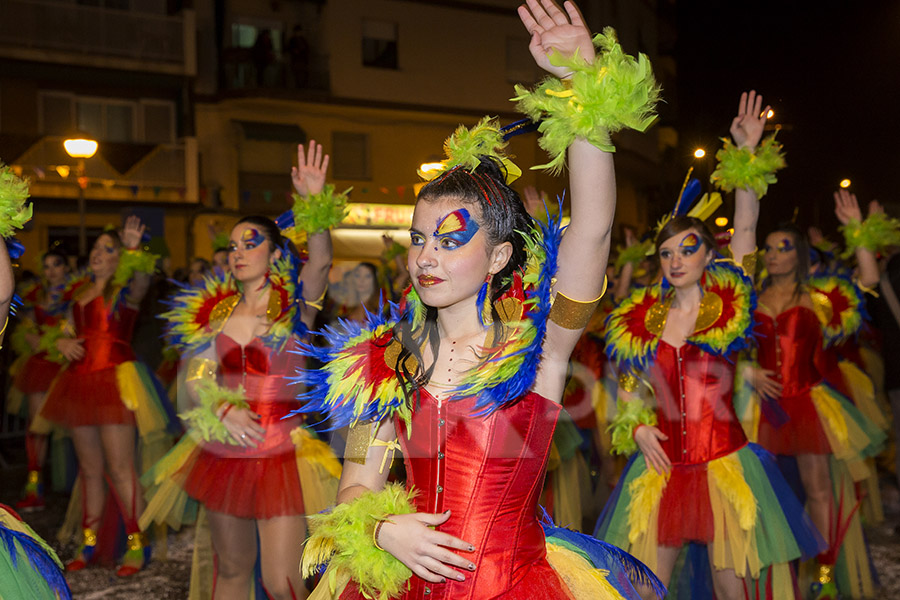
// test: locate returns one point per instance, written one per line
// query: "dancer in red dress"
(829, 437)
(105, 396)
(45, 308)
(467, 377)
(245, 459)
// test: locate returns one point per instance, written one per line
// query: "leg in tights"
(727, 585)
(38, 442)
(816, 478)
(234, 543)
(118, 449)
(281, 543)
(90, 465)
(665, 563)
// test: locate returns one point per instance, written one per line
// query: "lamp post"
(81, 148)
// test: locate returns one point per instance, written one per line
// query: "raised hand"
(846, 207)
(533, 200)
(747, 127)
(648, 438)
(551, 29)
(411, 540)
(132, 232)
(875, 208)
(630, 237)
(309, 174)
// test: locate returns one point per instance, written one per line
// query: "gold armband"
(628, 382)
(574, 314)
(748, 262)
(201, 368)
(359, 438)
(318, 304)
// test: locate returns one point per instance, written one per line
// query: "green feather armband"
(878, 231)
(742, 168)
(13, 193)
(629, 414)
(49, 337)
(633, 254)
(345, 538)
(319, 212)
(614, 92)
(203, 419)
(131, 262)
(396, 249)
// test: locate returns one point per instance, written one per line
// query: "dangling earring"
(664, 286)
(483, 302)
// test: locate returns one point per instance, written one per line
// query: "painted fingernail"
(471, 566)
(460, 578)
(444, 580)
(471, 548)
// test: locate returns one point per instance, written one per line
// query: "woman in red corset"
(466, 376)
(799, 316)
(104, 396)
(46, 309)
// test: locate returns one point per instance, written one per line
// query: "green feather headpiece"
(465, 146)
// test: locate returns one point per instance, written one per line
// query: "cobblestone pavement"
(164, 580)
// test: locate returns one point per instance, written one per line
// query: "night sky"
(830, 70)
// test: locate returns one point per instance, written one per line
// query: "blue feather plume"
(38, 557)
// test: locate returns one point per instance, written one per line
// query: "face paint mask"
(456, 229)
(252, 236)
(785, 245)
(691, 243)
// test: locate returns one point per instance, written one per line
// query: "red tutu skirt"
(686, 495)
(803, 432)
(36, 374)
(251, 483)
(78, 399)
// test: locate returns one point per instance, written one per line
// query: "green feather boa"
(49, 337)
(131, 262)
(629, 414)
(633, 254)
(318, 212)
(343, 537)
(877, 232)
(203, 419)
(614, 92)
(13, 194)
(741, 168)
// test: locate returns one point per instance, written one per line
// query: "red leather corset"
(489, 472)
(42, 317)
(263, 372)
(107, 338)
(791, 345)
(694, 404)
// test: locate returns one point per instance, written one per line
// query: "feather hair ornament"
(465, 147)
(686, 205)
(614, 92)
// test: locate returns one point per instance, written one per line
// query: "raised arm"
(846, 209)
(308, 178)
(139, 283)
(746, 130)
(7, 288)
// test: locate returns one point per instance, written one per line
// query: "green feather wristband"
(614, 92)
(633, 254)
(344, 537)
(319, 212)
(629, 414)
(741, 168)
(13, 193)
(877, 232)
(49, 337)
(393, 252)
(131, 262)
(18, 340)
(203, 419)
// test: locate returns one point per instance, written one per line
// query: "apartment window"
(350, 155)
(159, 121)
(107, 119)
(379, 44)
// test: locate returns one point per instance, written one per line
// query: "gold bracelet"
(201, 368)
(574, 314)
(375, 533)
(628, 382)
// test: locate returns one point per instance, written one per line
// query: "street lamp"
(699, 153)
(845, 183)
(81, 148)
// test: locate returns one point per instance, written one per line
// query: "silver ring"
(243, 435)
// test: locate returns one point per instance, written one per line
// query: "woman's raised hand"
(309, 174)
(846, 207)
(647, 439)
(552, 29)
(132, 232)
(411, 540)
(242, 424)
(748, 126)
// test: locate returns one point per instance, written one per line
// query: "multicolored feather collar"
(197, 314)
(358, 380)
(839, 304)
(724, 321)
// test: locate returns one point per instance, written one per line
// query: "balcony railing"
(71, 32)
